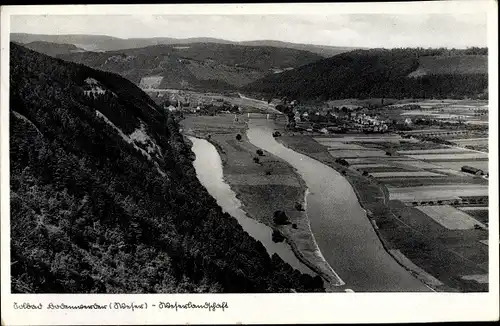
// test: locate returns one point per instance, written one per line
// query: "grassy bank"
(263, 186)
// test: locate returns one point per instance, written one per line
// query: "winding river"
(342, 230)
(208, 166)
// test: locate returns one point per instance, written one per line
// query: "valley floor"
(263, 187)
(447, 257)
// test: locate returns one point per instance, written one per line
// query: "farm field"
(357, 153)
(369, 166)
(470, 141)
(405, 174)
(436, 192)
(433, 181)
(439, 255)
(417, 164)
(358, 138)
(450, 217)
(446, 150)
(449, 160)
(457, 165)
(479, 213)
(387, 168)
(339, 145)
(458, 156)
(452, 172)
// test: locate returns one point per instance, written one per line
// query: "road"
(267, 106)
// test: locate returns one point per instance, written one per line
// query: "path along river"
(208, 166)
(342, 230)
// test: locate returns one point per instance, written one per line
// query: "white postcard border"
(261, 308)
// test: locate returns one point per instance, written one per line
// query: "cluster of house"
(328, 122)
(210, 107)
(370, 123)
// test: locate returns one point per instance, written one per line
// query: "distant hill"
(323, 50)
(196, 65)
(104, 197)
(53, 49)
(396, 73)
(107, 43)
(86, 42)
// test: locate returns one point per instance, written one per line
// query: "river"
(342, 230)
(208, 166)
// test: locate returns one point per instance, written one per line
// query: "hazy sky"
(367, 30)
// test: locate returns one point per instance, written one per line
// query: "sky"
(357, 30)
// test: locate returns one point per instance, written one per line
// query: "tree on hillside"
(280, 218)
(238, 137)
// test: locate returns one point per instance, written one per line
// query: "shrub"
(238, 137)
(277, 236)
(299, 207)
(260, 152)
(268, 172)
(342, 161)
(365, 173)
(256, 160)
(280, 218)
(294, 225)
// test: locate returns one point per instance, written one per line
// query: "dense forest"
(104, 197)
(383, 73)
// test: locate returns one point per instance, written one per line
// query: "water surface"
(342, 230)
(208, 166)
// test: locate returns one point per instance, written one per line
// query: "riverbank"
(421, 253)
(263, 187)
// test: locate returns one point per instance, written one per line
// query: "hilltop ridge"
(109, 43)
(396, 73)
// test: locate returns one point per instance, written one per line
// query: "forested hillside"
(104, 197)
(396, 73)
(196, 65)
(53, 49)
